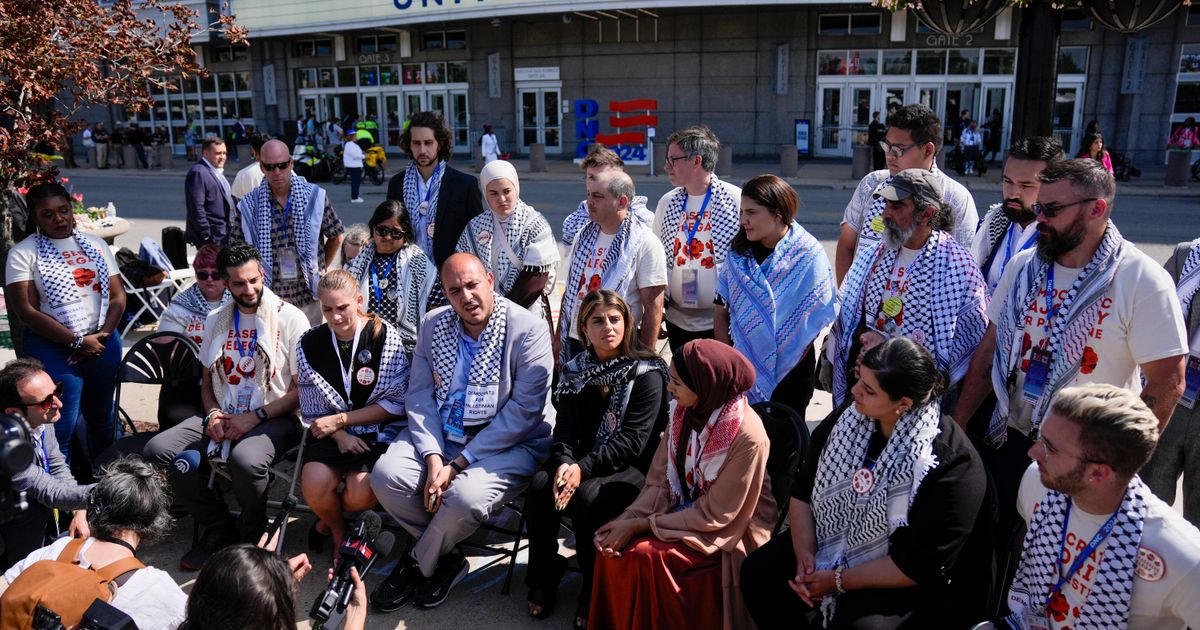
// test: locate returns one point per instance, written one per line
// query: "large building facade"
(560, 73)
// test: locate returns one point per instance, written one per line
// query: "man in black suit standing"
(206, 192)
(440, 200)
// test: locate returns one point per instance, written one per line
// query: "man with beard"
(1008, 228)
(250, 400)
(1101, 550)
(914, 137)
(1084, 306)
(441, 200)
(917, 282)
(479, 424)
(600, 159)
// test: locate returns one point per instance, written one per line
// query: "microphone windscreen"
(186, 461)
(383, 544)
(371, 524)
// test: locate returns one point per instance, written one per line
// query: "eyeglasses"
(1049, 449)
(1052, 211)
(383, 231)
(208, 275)
(276, 167)
(670, 161)
(48, 402)
(894, 150)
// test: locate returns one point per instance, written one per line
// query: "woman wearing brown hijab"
(671, 560)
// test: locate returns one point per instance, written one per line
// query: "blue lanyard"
(1049, 299)
(434, 181)
(699, 219)
(1086, 553)
(1008, 247)
(244, 349)
(45, 456)
(286, 215)
(375, 277)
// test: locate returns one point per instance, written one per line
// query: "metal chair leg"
(512, 558)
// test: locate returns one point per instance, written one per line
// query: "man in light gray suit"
(27, 390)
(479, 425)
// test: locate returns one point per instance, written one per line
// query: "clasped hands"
(810, 584)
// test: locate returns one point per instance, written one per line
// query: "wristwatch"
(77, 343)
(455, 466)
(261, 414)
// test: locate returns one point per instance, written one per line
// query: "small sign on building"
(1133, 74)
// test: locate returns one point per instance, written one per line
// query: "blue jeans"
(356, 176)
(88, 389)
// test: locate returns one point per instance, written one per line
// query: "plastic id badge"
(1035, 378)
(289, 264)
(245, 397)
(690, 289)
(1191, 386)
(453, 426)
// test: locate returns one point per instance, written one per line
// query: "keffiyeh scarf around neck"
(61, 286)
(577, 220)
(853, 528)
(483, 378)
(306, 204)
(193, 301)
(866, 232)
(723, 212)
(1189, 278)
(423, 222)
(1107, 604)
(706, 451)
(319, 397)
(779, 307)
(617, 270)
(269, 356)
(1078, 314)
(617, 374)
(528, 236)
(945, 306)
(413, 274)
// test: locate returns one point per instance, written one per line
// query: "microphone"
(186, 462)
(360, 549)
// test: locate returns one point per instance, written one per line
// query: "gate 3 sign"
(629, 139)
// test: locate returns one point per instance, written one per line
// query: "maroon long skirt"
(656, 584)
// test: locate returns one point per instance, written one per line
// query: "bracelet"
(837, 581)
(455, 466)
(207, 419)
(77, 343)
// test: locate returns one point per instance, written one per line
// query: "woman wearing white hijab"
(514, 241)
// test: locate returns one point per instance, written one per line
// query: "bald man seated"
(292, 225)
(479, 426)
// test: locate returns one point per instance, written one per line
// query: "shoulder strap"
(71, 551)
(114, 570)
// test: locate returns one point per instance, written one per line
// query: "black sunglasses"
(276, 167)
(208, 275)
(1052, 211)
(44, 405)
(383, 231)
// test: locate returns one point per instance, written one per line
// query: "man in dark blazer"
(440, 200)
(206, 192)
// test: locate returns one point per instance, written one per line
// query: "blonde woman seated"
(352, 373)
(671, 560)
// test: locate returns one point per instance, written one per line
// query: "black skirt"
(325, 451)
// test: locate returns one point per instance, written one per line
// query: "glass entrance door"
(1067, 115)
(539, 120)
(861, 100)
(995, 103)
(894, 99)
(829, 122)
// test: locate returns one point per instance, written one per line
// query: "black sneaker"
(451, 569)
(397, 590)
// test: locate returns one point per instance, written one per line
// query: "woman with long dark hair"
(1093, 147)
(65, 286)
(881, 512)
(611, 404)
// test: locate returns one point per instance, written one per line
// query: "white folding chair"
(153, 298)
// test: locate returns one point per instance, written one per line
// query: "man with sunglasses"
(293, 225)
(1101, 550)
(208, 196)
(913, 140)
(27, 390)
(1083, 306)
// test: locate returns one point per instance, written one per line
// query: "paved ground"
(1152, 216)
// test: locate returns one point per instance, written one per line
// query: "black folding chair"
(789, 442)
(169, 360)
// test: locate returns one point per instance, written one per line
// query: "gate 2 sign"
(629, 139)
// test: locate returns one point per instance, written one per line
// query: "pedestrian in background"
(352, 159)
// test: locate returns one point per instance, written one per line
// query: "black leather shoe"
(317, 540)
(451, 569)
(397, 590)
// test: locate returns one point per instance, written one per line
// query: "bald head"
(609, 195)
(469, 288)
(273, 154)
(274, 151)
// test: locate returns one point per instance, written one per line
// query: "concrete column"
(477, 154)
(537, 158)
(129, 154)
(1178, 168)
(789, 160)
(166, 156)
(91, 157)
(725, 161)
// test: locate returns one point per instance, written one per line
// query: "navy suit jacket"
(208, 206)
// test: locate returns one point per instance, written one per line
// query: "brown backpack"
(61, 586)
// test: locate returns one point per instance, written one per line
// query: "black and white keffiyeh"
(60, 283)
(527, 234)
(413, 274)
(854, 528)
(1078, 314)
(580, 218)
(319, 397)
(1107, 604)
(866, 230)
(1189, 278)
(193, 301)
(306, 206)
(996, 223)
(945, 308)
(723, 211)
(423, 222)
(483, 378)
(617, 270)
(617, 374)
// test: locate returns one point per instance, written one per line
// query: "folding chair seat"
(169, 360)
(789, 443)
(153, 299)
(276, 470)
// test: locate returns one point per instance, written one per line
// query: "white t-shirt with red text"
(1166, 583)
(22, 266)
(693, 255)
(235, 343)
